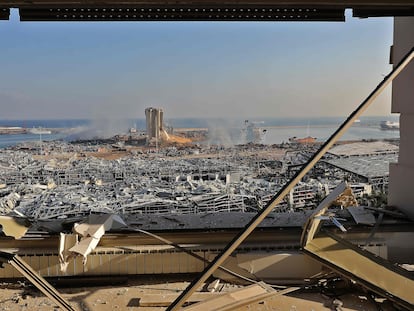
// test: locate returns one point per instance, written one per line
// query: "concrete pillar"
(401, 190)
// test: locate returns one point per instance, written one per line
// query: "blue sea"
(222, 130)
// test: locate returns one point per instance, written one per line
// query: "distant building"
(154, 119)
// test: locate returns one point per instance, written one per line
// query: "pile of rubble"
(60, 187)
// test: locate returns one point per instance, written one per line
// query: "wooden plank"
(231, 298)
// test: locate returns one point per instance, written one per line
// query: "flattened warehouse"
(369, 162)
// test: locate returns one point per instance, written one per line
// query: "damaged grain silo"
(154, 118)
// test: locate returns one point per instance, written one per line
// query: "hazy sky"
(191, 69)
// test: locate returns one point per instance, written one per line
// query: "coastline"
(275, 130)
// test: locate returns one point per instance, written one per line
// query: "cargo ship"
(389, 125)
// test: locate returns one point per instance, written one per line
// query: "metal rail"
(260, 216)
(36, 280)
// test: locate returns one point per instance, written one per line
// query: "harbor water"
(276, 130)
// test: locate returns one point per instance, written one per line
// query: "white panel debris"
(66, 241)
(90, 234)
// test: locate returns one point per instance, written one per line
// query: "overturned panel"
(4, 14)
(184, 13)
(372, 272)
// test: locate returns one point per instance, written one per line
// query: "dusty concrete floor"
(127, 297)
